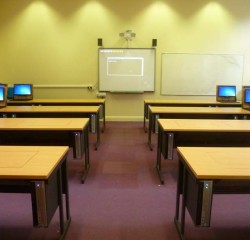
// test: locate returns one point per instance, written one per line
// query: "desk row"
(213, 158)
(183, 103)
(91, 112)
(192, 113)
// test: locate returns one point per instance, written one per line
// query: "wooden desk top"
(29, 162)
(43, 123)
(199, 110)
(217, 162)
(190, 101)
(206, 125)
(37, 100)
(47, 109)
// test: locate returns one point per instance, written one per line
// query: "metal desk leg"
(82, 146)
(104, 117)
(181, 225)
(78, 145)
(86, 150)
(170, 146)
(66, 187)
(159, 151)
(151, 118)
(145, 117)
(64, 225)
(97, 124)
(95, 127)
(178, 195)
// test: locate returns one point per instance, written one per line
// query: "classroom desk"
(192, 113)
(183, 103)
(199, 132)
(64, 102)
(206, 171)
(92, 112)
(72, 132)
(41, 172)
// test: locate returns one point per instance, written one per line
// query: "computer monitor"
(246, 97)
(225, 93)
(3, 96)
(22, 91)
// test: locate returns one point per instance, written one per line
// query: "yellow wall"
(54, 42)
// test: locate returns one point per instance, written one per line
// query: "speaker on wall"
(99, 42)
(154, 42)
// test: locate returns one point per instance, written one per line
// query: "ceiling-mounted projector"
(127, 35)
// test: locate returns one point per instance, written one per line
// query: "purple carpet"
(122, 198)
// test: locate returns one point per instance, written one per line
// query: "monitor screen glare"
(22, 89)
(1, 94)
(227, 91)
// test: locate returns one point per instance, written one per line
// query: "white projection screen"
(126, 69)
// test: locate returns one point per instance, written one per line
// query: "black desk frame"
(102, 111)
(28, 185)
(153, 125)
(182, 104)
(79, 140)
(168, 140)
(60, 115)
(223, 186)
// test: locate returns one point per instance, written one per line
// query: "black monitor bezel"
(245, 105)
(3, 103)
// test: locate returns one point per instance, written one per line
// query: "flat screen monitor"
(3, 96)
(246, 97)
(22, 92)
(226, 93)
(1, 93)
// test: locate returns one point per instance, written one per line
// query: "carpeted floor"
(122, 198)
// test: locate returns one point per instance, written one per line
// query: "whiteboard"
(198, 74)
(126, 69)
